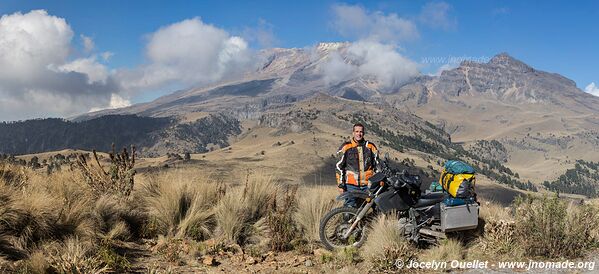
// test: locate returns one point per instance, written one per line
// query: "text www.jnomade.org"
(478, 264)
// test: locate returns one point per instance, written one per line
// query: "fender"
(353, 194)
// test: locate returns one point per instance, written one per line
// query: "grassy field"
(178, 220)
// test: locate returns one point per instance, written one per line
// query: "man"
(357, 163)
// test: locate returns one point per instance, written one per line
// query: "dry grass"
(243, 206)
(538, 228)
(447, 250)
(386, 244)
(60, 208)
(548, 227)
(56, 222)
(37, 263)
(116, 219)
(280, 221)
(180, 205)
(490, 210)
(313, 203)
(55, 208)
(12, 175)
(75, 256)
(499, 241)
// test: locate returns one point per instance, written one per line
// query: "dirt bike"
(423, 217)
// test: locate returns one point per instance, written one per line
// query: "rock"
(309, 263)
(209, 261)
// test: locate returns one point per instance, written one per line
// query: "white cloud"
(37, 79)
(189, 52)
(375, 53)
(592, 89)
(88, 43)
(358, 23)
(116, 101)
(437, 15)
(336, 69)
(29, 42)
(370, 59)
(95, 71)
(106, 55)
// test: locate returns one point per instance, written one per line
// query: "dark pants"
(353, 201)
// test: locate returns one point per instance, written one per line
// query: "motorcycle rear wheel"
(335, 223)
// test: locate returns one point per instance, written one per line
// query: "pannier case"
(456, 218)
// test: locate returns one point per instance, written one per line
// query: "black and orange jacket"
(357, 162)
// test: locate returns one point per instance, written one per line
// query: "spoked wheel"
(336, 223)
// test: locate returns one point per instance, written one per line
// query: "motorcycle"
(424, 217)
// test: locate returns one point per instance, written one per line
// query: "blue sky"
(554, 36)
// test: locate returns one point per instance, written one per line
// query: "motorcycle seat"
(430, 199)
(433, 195)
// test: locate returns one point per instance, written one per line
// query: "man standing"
(358, 159)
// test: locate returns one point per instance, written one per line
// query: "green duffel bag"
(435, 186)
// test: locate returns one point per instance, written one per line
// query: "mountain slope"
(534, 123)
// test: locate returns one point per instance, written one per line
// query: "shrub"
(280, 220)
(548, 227)
(118, 180)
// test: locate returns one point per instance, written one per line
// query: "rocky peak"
(504, 60)
(332, 46)
(507, 79)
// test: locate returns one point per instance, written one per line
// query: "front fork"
(362, 213)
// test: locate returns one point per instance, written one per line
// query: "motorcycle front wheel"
(336, 223)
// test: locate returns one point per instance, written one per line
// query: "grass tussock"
(447, 250)
(312, 204)
(117, 219)
(243, 206)
(75, 256)
(180, 206)
(386, 244)
(61, 209)
(490, 211)
(12, 175)
(42, 210)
